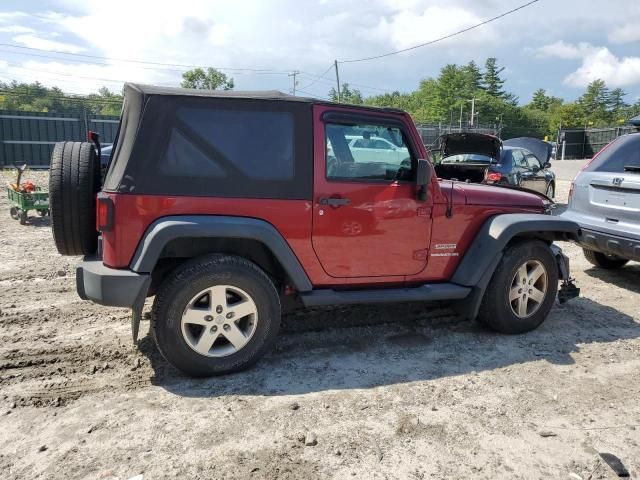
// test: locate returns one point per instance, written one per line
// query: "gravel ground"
(402, 391)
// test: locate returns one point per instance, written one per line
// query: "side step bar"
(424, 293)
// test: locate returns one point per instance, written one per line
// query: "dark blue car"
(479, 158)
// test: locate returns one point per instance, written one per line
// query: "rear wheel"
(522, 289)
(603, 260)
(215, 315)
(13, 211)
(74, 180)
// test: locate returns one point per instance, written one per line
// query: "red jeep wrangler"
(227, 205)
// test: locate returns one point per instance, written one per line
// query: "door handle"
(334, 202)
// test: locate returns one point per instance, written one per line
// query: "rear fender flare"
(483, 255)
(166, 229)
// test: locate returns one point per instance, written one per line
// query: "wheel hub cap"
(219, 321)
(528, 289)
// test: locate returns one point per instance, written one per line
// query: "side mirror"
(547, 165)
(423, 178)
(535, 169)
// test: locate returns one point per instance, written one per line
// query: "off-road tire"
(74, 180)
(495, 309)
(609, 262)
(194, 276)
(13, 211)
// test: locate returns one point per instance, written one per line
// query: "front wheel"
(214, 315)
(551, 191)
(522, 289)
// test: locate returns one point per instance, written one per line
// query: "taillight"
(104, 213)
(492, 176)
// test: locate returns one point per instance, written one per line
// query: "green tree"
(347, 95)
(492, 82)
(212, 79)
(594, 103)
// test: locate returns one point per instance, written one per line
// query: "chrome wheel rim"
(528, 288)
(219, 321)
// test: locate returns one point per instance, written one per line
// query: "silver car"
(605, 201)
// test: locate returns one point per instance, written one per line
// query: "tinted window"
(623, 152)
(366, 158)
(259, 144)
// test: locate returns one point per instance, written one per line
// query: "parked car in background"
(105, 154)
(479, 158)
(605, 201)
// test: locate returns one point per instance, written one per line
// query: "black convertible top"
(148, 90)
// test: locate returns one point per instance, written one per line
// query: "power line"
(318, 77)
(143, 62)
(431, 42)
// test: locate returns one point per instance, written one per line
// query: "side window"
(367, 153)
(532, 162)
(518, 158)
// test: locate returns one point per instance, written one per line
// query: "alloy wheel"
(219, 321)
(528, 288)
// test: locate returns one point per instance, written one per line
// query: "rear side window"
(215, 147)
(253, 144)
(623, 152)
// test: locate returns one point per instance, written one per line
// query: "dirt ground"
(402, 391)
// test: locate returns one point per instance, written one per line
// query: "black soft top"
(144, 91)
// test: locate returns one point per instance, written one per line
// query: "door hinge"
(421, 254)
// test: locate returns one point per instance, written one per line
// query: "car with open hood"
(479, 158)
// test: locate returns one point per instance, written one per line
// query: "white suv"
(605, 201)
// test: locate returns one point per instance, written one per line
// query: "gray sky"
(558, 45)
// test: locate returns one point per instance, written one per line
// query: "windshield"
(467, 158)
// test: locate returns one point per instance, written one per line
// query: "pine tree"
(491, 81)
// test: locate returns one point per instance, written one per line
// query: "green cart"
(22, 200)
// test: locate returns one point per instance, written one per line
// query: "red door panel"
(382, 230)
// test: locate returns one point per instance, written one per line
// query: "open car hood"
(478, 143)
(539, 148)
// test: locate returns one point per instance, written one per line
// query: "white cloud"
(564, 50)
(408, 27)
(11, 16)
(33, 41)
(16, 29)
(627, 33)
(604, 65)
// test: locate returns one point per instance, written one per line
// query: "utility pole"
(473, 110)
(295, 82)
(335, 63)
(460, 123)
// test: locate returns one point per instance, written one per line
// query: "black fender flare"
(483, 255)
(165, 229)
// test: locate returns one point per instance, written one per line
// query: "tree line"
(445, 99)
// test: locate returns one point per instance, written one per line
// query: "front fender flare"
(483, 255)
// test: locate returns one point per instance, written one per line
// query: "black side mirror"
(423, 178)
(547, 165)
(535, 169)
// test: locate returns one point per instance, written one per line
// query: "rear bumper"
(110, 286)
(627, 248)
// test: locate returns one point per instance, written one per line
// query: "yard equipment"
(26, 196)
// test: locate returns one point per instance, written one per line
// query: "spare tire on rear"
(74, 180)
